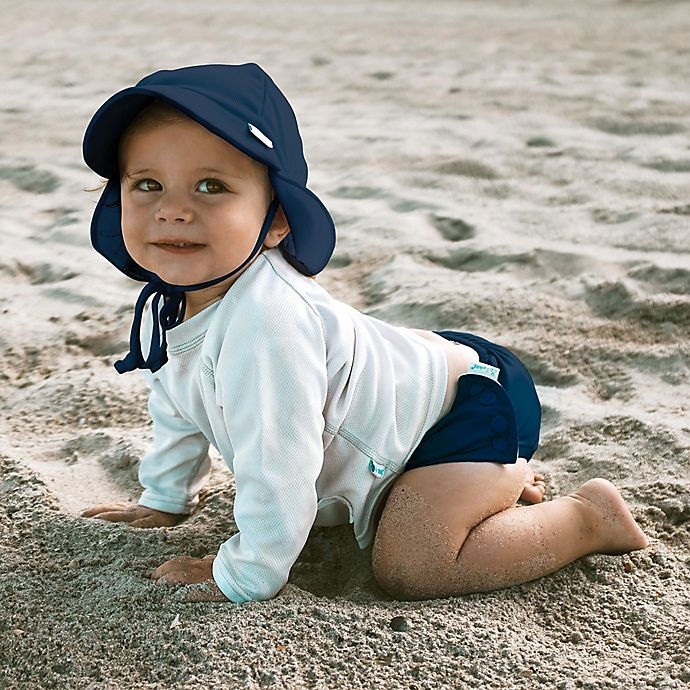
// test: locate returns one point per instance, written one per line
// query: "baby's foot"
(610, 518)
(533, 491)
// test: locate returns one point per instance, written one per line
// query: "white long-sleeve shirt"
(314, 406)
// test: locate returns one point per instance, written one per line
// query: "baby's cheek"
(134, 243)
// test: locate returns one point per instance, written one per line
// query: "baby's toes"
(530, 494)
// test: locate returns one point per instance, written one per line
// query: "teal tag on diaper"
(484, 370)
(376, 468)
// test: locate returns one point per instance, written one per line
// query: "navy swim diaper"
(489, 421)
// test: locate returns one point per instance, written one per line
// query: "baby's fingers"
(114, 513)
(157, 520)
(105, 508)
(195, 573)
(178, 564)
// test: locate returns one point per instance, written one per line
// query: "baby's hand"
(185, 570)
(134, 515)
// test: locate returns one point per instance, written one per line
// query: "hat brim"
(311, 240)
(102, 136)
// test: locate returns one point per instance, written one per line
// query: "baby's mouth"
(178, 247)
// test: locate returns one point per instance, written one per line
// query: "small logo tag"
(260, 135)
(376, 469)
(484, 370)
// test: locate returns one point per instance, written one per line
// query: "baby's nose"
(174, 211)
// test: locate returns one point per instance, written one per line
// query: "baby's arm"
(172, 474)
(274, 391)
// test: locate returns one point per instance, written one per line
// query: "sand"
(517, 169)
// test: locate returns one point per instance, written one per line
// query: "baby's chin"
(192, 278)
(183, 279)
(175, 274)
(189, 270)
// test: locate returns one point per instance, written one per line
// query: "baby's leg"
(454, 528)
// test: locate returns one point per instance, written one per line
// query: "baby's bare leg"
(524, 543)
(435, 538)
(427, 517)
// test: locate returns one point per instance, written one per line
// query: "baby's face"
(192, 204)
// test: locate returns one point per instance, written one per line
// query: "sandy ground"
(518, 169)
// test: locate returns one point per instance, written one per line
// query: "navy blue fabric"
(231, 101)
(225, 99)
(489, 421)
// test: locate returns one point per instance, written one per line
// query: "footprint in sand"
(395, 203)
(382, 76)
(65, 226)
(76, 400)
(98, 344)
(673, 280)
(452, 229)
(682, 210)
(616, 300)
(630, 434)
(420, 314)
(29, 178)
(91, 467)
(477, 260)
(339, 260)
(610, 217)
(545, 373)
(540, 141)
(537, 263)
(38, 273)
(358, 192)
(408, 205)
(632, 127)
(468, 168)
(612, 382)
(667, 165)
(671, 500)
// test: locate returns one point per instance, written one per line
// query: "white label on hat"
(484, 370)
(260, 135)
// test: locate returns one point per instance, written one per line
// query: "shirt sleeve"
(273, 392)
(178, 467)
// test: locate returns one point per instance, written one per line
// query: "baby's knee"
(413, 553)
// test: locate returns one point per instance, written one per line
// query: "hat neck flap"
(171, 312)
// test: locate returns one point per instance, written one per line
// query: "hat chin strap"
(171, 312)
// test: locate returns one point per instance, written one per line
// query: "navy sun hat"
(242, 105)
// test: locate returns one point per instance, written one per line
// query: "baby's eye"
(147, 185)
(211, 186)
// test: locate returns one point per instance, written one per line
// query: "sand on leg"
(455, 528)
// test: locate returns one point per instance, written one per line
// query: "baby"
(325, 415)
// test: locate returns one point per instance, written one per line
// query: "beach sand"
(516, 169)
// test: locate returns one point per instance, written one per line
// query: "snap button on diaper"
(499, 423)
(476, 389)
(487, 398)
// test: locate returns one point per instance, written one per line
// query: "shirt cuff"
(226, 583)
(149, 499)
